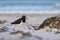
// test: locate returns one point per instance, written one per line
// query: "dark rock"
(1, 22)
(3, 29)
(52, 22)
(58, 32)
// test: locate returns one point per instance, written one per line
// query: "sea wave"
(28, 5)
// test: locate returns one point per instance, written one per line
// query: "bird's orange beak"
(27, 18)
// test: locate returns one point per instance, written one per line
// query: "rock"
(57, 32)
(52, 22)
(3, 29)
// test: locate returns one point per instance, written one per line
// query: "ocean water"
(29, 5)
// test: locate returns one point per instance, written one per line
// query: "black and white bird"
(18, 21)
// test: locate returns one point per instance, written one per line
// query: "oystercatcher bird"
(18, 21)
(22, 19)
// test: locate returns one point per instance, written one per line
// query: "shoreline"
(30, 12)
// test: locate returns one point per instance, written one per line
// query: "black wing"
(18, 21)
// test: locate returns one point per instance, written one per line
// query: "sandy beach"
(34, 19)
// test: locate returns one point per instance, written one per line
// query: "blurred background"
(29, 5)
